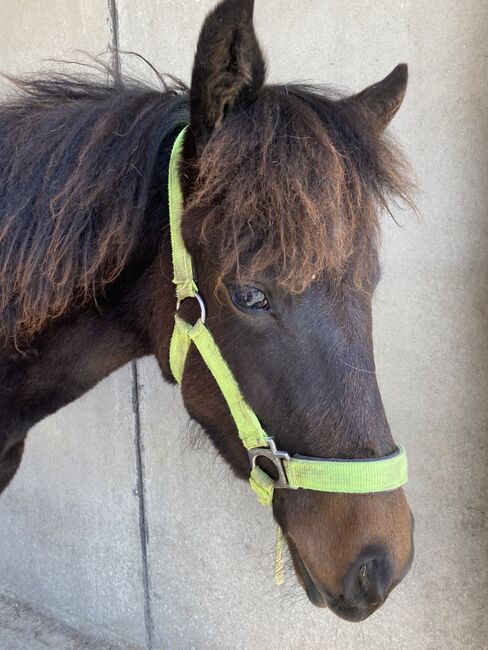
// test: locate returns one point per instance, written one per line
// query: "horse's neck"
(75, 352)
(59, 365)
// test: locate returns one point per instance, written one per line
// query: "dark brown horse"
(282, 188)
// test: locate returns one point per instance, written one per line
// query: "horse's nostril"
(368, 579)
(363, 580)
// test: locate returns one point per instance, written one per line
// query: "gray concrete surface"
(34, 31)
(70, 537)
(23, 628)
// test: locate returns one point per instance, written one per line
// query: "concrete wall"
(115, 522)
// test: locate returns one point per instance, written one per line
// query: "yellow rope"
(279, 562)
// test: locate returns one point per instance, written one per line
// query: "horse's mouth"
(314, 595)
(322, 598)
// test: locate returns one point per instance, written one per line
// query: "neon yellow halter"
(325, 475)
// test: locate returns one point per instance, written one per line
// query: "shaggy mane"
(293, 186)
(77, 158)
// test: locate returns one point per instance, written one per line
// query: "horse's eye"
(249, 298)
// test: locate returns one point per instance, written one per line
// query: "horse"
(283, 186)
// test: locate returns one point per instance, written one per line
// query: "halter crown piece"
(362, 476)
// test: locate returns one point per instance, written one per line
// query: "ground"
(22, 628)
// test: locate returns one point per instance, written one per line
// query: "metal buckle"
(198, 297)
(276, 457)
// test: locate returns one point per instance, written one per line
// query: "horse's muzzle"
(365, 587)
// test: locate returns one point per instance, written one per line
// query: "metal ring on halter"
(276, 457)
(203, 311)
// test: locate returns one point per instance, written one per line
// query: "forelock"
(293, 185)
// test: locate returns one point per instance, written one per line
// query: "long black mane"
(77, 161)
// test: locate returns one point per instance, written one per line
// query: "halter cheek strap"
(362, 476)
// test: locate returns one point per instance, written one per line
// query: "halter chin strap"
(362, 476)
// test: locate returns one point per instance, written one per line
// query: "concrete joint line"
(114, 46)
(140, 490)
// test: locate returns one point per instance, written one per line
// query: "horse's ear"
(384, 98)
(229, 68)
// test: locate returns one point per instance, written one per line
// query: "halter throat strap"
(361, 476)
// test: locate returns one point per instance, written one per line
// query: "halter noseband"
(362, 476)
